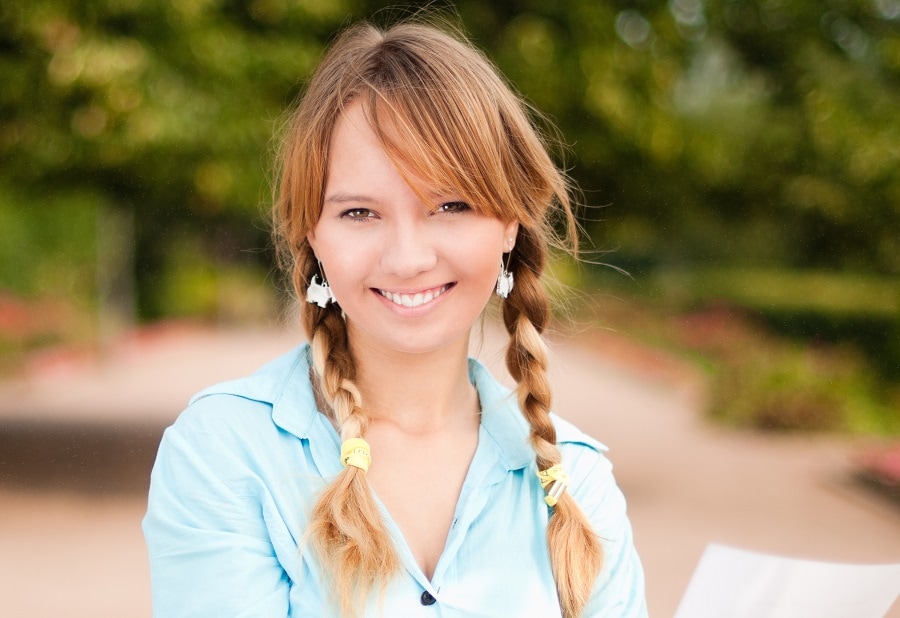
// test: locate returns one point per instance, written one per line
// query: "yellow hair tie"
(355, 452)
(554, 481)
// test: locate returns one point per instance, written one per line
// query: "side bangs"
(445, 145)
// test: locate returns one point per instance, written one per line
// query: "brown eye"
(357, 214)
(453, 207)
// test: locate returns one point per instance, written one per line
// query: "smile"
(414, 300)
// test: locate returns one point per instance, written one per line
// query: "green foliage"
(815, 306)
(752, 138)
(150, 101)
(161, 109)
(226, 292)
(823, 292)
(765, 382)
(758, 378)
(46, 247)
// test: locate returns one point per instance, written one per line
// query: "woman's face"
(411, 276)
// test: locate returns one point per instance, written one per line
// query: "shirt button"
(427, 599)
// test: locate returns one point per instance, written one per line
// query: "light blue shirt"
(238, 472)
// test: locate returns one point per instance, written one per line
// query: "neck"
(418, 393)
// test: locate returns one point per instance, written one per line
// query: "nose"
(408, 250)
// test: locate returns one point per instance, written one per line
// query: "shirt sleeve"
(210, 551)
(619, 591)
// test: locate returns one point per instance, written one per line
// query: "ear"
(311, 239)
(510, 232)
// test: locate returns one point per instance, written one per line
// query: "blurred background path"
(78, 435)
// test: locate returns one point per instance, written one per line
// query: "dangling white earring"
(504, 279)
(319, 293)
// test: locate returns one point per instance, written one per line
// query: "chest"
(419, 482)
(494, 562)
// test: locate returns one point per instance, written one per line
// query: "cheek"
(481, 260)
(341, 257)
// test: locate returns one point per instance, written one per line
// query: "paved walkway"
(83, 430)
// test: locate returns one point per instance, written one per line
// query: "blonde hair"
(456, 125)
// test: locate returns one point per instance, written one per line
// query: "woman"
(413, 187)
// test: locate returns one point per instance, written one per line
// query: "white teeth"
(417, 300)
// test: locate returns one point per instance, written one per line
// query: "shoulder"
(245, 433)
(567, 433)
(505, 422)
(584, 458)
(244, 408)
(220, 418)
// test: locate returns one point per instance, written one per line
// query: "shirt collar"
(285, 385)
(294, 407)
(501, 419)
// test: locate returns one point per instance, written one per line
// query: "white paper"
(733, 583)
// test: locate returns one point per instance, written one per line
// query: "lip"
(413, 301)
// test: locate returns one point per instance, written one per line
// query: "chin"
(399, 342)
(431, 346)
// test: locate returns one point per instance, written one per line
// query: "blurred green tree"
(731, 132)
(161, 109)
(742, 131)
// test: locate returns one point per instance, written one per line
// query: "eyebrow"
(344, 198)
(354, 198)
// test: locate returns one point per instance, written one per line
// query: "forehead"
(359, 156)
(352, 137)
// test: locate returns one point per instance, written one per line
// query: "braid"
(575, 550)
(346, 529)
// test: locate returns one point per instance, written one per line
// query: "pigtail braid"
(575, 550)
(346, 529)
